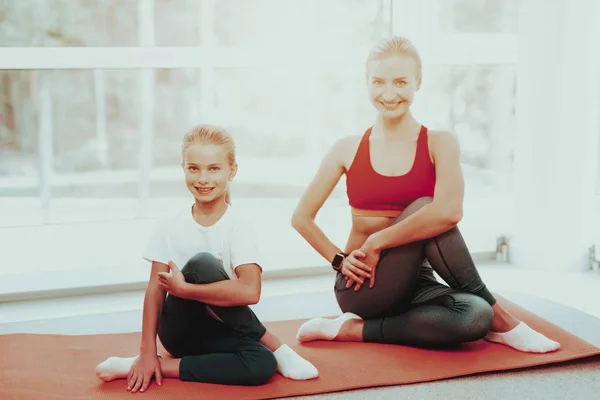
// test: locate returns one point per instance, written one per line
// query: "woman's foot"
(503, 321)
(114, 368)
(509, 331)
(346, 327)
(291, 365)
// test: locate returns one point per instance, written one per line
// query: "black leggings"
(226, 352)
(408, 306)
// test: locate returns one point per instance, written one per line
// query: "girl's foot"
(114, 368)
(292, 366)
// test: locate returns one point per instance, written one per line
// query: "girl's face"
(392, 83)
(207, 171)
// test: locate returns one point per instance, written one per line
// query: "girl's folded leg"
(204, 268)
(249, 363)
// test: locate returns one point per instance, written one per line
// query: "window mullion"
(146, 39)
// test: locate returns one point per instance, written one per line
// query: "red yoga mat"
(62, 366)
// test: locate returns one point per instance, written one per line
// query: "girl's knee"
(201, 258)
(262, 368)
(204, 268)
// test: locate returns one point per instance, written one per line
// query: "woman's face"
(392, 84)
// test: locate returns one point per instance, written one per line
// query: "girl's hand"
(354, 269)
(173, 282)
(141, 372)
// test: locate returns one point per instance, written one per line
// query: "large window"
(95, 97)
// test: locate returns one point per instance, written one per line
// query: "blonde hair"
(395, 45)
(211, 134)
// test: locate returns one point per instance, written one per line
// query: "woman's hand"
(173, 282)
(354, 269)
(370, 257)
(141, 372)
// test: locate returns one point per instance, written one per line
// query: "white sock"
(292, 366)
(114, 368)
(323, 329)
(523, 338)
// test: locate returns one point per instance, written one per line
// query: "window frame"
(409, 18)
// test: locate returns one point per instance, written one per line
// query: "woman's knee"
(477, 318)
(421, 201)
(204, 268)
(367, 303)
(414, 207)
(261, 367)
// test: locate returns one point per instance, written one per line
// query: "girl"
(205, 322)
(405, 189)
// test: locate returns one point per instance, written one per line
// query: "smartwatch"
(336, 264)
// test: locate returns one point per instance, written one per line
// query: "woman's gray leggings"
(408, 306)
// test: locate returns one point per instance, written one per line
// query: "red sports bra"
(373, 194)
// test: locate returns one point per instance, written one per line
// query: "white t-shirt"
(179, 237)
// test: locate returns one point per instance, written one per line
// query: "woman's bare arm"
(443, 213)
(303, 219)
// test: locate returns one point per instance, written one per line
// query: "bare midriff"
(374, 213)
(363, 226)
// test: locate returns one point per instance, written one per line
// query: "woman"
(405, 189)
